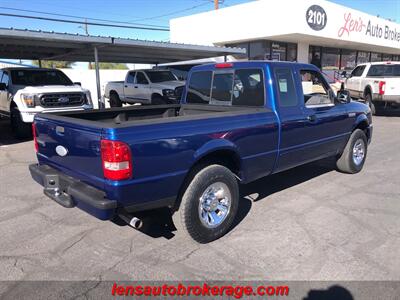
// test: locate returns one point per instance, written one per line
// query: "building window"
(348, 59)
(330, 59)
(362, 57)
(314, 56)
(291, 52)
(278, 51)
(259, 50)
(376, 57)
(386, 57)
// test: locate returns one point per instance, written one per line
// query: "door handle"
(125, 85)
(136, 86)
(312, 118)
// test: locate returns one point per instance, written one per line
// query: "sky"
(154, 12)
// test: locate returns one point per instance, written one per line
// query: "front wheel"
(158, 100)
(353, 157)
(20, 129)
(209, 205)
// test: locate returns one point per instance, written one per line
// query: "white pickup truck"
(377, 83)
(25, 92)
(146, 87)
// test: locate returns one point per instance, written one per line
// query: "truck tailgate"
(70, 148)
(392, 86)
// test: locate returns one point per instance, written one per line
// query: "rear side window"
(199, 87)
(286, 89)
(243, 87)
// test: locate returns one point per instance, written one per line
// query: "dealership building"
(329, 35)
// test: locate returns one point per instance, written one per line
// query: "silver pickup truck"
(146, 87)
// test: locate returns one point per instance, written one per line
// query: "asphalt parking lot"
(310, 223)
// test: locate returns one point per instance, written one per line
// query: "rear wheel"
(114, 100)
(20, 129)
(370, 103)
(353, 157)
(209, 205)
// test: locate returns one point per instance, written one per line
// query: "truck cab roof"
(253, 63)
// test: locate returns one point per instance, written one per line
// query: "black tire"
(158, 100)
(347, 161)
(187, 219)
(370, 103)
(114, 100)
(20, 129)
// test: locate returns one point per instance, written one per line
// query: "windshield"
(39, 77)
(160, 76)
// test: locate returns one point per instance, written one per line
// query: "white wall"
(88, 78)
(285, 20)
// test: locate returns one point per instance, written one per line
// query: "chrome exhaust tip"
(136, 223)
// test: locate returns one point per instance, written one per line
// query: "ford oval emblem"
(63, 100)
(61, 150)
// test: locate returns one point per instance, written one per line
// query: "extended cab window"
(286, 89)
(240, 87)
(315, 89)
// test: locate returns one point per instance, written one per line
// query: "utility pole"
(85, 27)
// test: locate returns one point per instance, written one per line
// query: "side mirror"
(3, 86)
(343, 96)
(78, 83)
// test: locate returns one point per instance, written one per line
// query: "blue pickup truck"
(236, 122)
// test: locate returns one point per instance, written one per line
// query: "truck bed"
(139, 115)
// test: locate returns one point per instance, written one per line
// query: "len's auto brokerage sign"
(349, 24)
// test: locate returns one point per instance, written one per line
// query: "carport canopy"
(39, 45)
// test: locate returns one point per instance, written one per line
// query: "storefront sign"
(316, 17)
(369, 29)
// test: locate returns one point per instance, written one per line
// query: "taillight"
(382, 85)
(35, 137)
(224, 65)
(117, 160)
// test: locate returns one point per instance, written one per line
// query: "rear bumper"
(70, 192)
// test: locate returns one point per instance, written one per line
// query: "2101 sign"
(316, 17)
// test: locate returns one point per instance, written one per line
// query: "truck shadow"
(388, 112)
(159, 224)
(6, 135)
